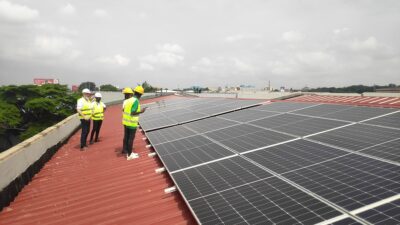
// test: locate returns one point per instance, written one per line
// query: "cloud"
(54, 47)
(68, 9)
(241, 37)
(222, 65)
(168, 55)
(100, 13)
(52, 29)
(114, 60)
(340, 30)
(11, 12)
(369, 44)
(292, 36)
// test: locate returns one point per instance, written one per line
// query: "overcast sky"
(180, 43)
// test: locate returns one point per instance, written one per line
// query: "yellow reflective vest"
(86, 108)
(98, 111)
(127, 118)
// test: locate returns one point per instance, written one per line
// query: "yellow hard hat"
(139, 89)
(127, 90)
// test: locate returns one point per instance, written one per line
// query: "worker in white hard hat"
(84, 108)
(97, 117)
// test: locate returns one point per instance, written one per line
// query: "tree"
(148, 88)
(108, 87)
(88, 84)
(28, 109)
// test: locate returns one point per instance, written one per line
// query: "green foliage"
(88, 84)
(148, 88)
(9, 116)
(108, 87)
(28, 109)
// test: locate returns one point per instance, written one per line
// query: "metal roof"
(99, 186)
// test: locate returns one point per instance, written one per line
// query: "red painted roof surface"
(350, 100)
(99, 186)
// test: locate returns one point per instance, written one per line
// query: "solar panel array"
(286, 163)
(182, 110)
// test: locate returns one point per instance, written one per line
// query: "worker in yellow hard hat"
(130, 118)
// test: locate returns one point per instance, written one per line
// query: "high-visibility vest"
(127, 119)
(98, 111)
(86, 108)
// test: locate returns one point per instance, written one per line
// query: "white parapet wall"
(16, 160)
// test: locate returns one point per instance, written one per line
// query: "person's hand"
(144, 109)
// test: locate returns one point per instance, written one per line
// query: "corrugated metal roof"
(351, 100)
(99, 186)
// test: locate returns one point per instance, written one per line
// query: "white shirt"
(81, 102)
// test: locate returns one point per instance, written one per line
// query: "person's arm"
(79, 109)
(135, 107)
(104, 106)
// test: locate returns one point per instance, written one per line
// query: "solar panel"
(357, 137)
(182, 145)
(209, 124)
(157, 123)
(168, 134)
(357, 114)
(323, 109)
(279, 120)
(187, 117)
(293, 155)
(392, 120)
(383, 215)
(218, 176)
(347, 221)
(247, 115)
(388, 150)
(244, 137)
(309, 126)
(284, 106)
(351, 181)
(191, 157)
(269, 201)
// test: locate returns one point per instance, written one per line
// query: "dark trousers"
(129, 137)
(85, 131)
(96, 130)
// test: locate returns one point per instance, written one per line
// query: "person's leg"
(132, 138)
(93, 131)
(99, 122)
(125, 141)
(129, 142)
(85, 131)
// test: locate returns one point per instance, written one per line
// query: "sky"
(208, 43)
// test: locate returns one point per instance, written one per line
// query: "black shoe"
(91, 142)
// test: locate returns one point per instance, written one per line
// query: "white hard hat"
(97, 95)
(86, 91)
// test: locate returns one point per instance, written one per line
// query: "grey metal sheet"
(392, 120)
(358, 113)
(270, 201)
(209, 124)
(293, 155)
(284, 106)
(217, 176)
(351, 181)
(193, 156)
(168, 134)
(357, 137)
(389, 150)
(247, 115)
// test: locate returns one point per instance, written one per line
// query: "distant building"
(74, 88)
(41, 81)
